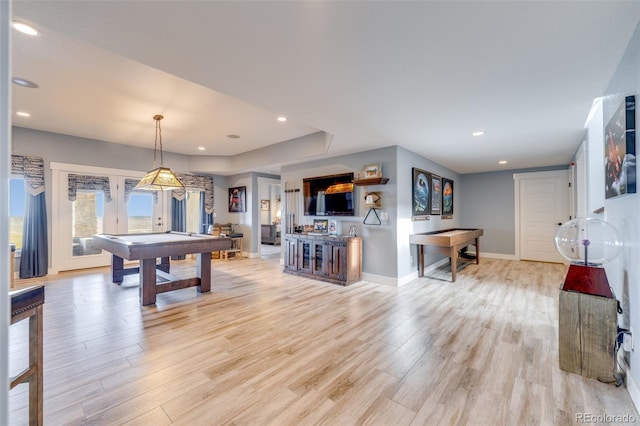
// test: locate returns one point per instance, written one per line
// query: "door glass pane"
(87, 219)
(306, 255)
(16, 211)
(317, 264)
(140, 213)
(193, 211)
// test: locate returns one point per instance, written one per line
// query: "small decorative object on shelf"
(371, 175)
(372, 171)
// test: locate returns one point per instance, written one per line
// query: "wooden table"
(448, 242)
(27, 303)
(150, 246)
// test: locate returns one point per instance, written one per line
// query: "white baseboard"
(498, 256)
(632, 385)
(406, 279)
(380, 279)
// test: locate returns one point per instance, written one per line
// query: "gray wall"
(407, 254)
(379, 251)
(489, 204)
(387, 255)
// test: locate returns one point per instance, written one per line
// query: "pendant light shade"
(160, 178)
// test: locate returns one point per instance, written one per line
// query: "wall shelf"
(371, 181)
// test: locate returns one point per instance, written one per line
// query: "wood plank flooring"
(270, 348)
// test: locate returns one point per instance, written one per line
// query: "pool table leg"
(148, 281)
(203, 263)
(164, 264)
(117, 269)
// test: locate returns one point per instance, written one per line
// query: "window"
(140, 213)
(17, 195)
(87, 216)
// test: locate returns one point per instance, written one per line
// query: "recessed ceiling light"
(282, 119)
(233, 136)
(24, 28)
(201, 148)
(23, 114)
(502, 162)
(478, 133)
(24, 83)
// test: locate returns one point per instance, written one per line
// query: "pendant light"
(160, 178)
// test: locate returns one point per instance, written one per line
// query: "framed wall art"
(420, 194)
(447, 197)
(620, 151)
(436, 194)
(237, 199)
(264, 205)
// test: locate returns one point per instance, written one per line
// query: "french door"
(106, 205)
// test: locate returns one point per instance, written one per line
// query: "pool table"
(148, 247)
(448, 242)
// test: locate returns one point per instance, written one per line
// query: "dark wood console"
(336, 259)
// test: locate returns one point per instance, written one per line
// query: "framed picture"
(421, 198)
(333, 227)
(436, 194)
(321, 225)
(237, 199)
(447, 197)
(264, 205)
(620, 151)
(372, 171)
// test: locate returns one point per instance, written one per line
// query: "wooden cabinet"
(334, 259)
(270, 234)
(587, 331)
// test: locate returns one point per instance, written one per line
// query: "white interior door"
(542, 206)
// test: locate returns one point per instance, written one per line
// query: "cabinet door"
(305, 256)
(321, 255)
(291, 254)
(337, 262)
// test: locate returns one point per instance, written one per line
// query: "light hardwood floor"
(266, 347)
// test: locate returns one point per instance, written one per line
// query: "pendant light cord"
(158, 136)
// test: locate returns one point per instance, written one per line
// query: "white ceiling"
(422, 75)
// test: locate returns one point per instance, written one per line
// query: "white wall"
(623, 212)
(5, 138)
(595, 161)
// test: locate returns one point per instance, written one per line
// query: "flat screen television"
(329, 195)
